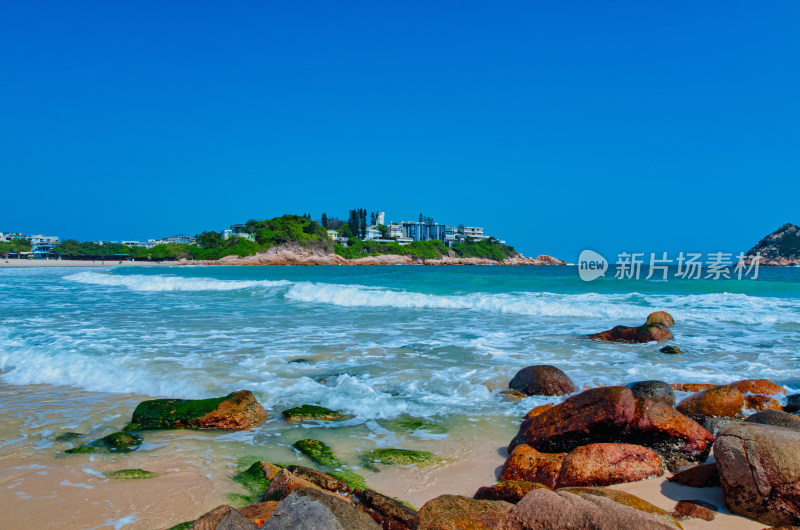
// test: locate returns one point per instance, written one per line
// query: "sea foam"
(142, 282)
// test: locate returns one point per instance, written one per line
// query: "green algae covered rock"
(353, 479)
(186, 525)
(403, 457)
(236, 411)
(129, 474)
(313, 413)
(319, 452)
(114, 442)
(410, 424)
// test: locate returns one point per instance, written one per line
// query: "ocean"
(388, 345)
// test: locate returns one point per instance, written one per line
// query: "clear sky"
(558, 126)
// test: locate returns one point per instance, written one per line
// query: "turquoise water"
(378, 342)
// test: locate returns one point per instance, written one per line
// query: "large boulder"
(654, 390)
(542, 509)
(758, 386)
(542, 380)
(626, 499)
(638, 334)
(660, 317)
(453, 512)
(223, 518)
(238, 410)
(778, 418)
(759, 469)
(604, 464)
(722, 400)
(313, 509)
(613, 415)
(529, 465)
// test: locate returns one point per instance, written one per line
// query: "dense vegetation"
(15, 245)
(487, 248)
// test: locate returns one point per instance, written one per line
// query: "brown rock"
(322, 480)
(529, 465)
(691, 387)
(660, 317)
(542, 380)
(626, 499)
(510, 491)
(223, 518)
(240, 411)
(604, 464)
(535, 411)
(758, 403)
(758, 386)
(644, 333)
(759, 469)
(694, 510)
(512, 395)
(612, 415)
(293, 477)
(778, 418)
(718, 401)
(392, 514)
(453, 512)
(258, 513)
(542, 509)
(702, 476)
(310, 508)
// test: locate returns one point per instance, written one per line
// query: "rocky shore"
(561, 469)
(298, 255)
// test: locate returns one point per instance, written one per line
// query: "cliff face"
(780, 248)
(297, 255)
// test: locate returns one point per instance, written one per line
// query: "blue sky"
(557, 126)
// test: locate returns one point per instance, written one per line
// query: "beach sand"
(13, 263)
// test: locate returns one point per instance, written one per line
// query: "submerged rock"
(454, 511)
(723, 400)
(653, 390)
(542, 380)
(313, 412)
(670, 350)
(318, 451)
(512, 395)
(759, 469)
(114, 442)
(613, 415)
(402, 457)
(129, 474)
(238, 410)
(312, 508)
(644, 333)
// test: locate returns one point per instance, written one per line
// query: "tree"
(362, 221)
(373, 218)
(324, 220)
(385, 232)
(209, 240)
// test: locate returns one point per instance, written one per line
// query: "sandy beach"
(25, 263)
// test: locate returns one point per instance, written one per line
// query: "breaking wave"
(142, 282)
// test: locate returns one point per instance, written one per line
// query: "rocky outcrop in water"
(780, 248)
(236, 411)
(655, 329)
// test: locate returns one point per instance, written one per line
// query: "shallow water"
(79, 348)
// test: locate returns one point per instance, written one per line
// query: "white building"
(475, 232)
(380, 218)
(133, 243)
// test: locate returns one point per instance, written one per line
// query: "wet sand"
(16, 263)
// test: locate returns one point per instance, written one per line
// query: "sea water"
(80, 347)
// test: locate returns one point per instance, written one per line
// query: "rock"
(325, 482)
(604, 464)
(511, 491)
(223, 518)
(512, 395)
(318, 451)
(626, 499)
(693, 509)
(542, 380)
(759, 469)
(758, 403)
(758, 386)
(691, 387)
(778, 418)
(236, 411)
(535, 411)
(114, 442)
(312, 509)
(671, 350)
(660, 317)
(702, 476)
(258, 513)
(403, 457)
(718, 401)
(453, 512)
(293, 477)
(644, 333)
(792, 403)
(780, 248)
(654, 390)
(257, 477)
(129, 474)
(313, 413)
(392, 513)
(716, 424)
(529, 465)
(542, 509)
(613, 415)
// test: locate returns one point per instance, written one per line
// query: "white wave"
(141, 282)
(708, 307)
